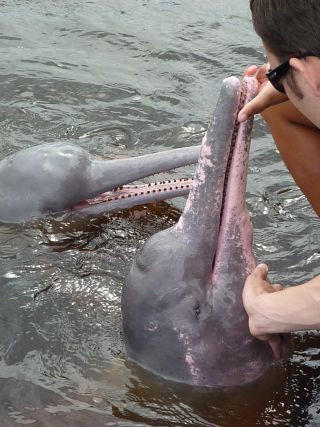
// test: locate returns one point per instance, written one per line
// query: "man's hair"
(288, 27)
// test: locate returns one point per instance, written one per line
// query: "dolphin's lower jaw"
(182, 308)
(128, 196)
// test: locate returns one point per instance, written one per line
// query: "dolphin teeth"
(139, 190)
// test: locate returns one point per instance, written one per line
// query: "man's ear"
(297, 64)
(310, 71)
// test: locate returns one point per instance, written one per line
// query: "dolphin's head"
(182, 308)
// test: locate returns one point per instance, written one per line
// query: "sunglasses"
(274, 76)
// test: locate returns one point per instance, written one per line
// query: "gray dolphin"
(56, 177)
(183, 316)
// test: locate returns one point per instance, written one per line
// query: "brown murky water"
(122, 78)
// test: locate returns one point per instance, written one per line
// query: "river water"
(123, 78)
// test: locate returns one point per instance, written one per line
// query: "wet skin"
(183, 316)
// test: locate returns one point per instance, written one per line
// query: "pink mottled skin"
(194, 370)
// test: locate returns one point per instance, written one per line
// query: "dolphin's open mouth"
(238, 158)
(230, 165)
(136, 194)
(235, 224)
(234, 142)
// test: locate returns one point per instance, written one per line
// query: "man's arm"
(297, 139)
(272, 309)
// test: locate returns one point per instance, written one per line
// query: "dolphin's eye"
(196, 310)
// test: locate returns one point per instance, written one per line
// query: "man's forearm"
(292, 309)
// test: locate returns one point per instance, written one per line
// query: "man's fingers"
(261, 73)
(260, 272)
(256, 284)
(251, 71)
(267, 97)
(276, 288)
(258, 72)
(253, 107)
(275, 343)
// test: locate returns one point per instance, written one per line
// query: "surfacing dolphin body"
(57, 177)
(183, 316)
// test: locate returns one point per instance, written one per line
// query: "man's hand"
(254, 292)
(259, 74)
(267, 94)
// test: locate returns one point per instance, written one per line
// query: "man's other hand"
(255, 290)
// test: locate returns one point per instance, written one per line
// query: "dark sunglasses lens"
(274, 77)
(279, 86)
